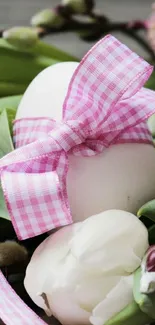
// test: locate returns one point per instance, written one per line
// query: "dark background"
(19, 12)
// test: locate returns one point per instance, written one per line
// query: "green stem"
(50, 51)
(10, 102)
(131, 315)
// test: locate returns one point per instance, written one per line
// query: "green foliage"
(6, 145)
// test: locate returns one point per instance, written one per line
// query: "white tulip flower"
(83, 273)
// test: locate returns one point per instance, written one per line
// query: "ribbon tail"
(106, 92)
(13, 310)
(36, 202)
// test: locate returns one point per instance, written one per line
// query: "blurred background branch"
(27, 46)
(81, 17)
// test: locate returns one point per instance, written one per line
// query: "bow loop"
(109, 74)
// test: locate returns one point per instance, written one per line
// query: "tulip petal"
(65, 308)
(111, 232)
(45, 260)
(117, 299)
(91, 290)
(84, 269)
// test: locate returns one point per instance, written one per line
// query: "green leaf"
(48, 50)
(145, 302)
(151, 125)
(130, 315)
(10, 102)
(6, 146)
(3, 209)
(41, 48)
(11, 113)
(148, 210)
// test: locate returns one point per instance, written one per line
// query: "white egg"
(122, 177)
(46, 93)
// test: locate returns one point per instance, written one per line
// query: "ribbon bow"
(105, 104)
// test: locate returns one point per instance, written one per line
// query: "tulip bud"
(85, 270)
(79, 6)
(21, 36)
(49, 18)
(148, 272)
(150, 260)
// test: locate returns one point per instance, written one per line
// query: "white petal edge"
(117, 299)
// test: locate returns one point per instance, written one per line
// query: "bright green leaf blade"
(145, 302)
(130, 315)
(41, 48)
(49, 50)
(148, 210)
(151, 125)
(6, 144)
(3, 209)
(10, 102)
(11, 113)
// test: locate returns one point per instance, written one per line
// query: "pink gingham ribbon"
(13, 311)
(105, 105)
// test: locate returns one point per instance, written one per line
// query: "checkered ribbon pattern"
(13, 311)
(106, 104)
